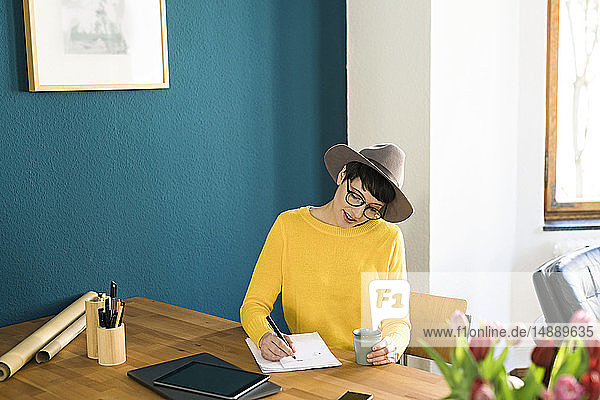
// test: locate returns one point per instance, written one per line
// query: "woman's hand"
(274, 349)
(383, 352)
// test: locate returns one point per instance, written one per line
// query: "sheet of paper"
(311, 352)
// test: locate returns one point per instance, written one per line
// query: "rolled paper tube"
(19, 355)
(61, 341)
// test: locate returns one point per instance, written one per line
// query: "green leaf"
(560, 360)
(454, 360)
(539, 372)
(497, 366)
(585, 361)
(460, 374)
(532, 384)
(469, 365)
(487, 366)
(501, 388)
(439, 361)
(574, 361)
(503, 355)
(458, 395)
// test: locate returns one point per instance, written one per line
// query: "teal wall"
(169, 192)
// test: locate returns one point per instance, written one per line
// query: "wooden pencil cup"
(111, 345)
(91, 326)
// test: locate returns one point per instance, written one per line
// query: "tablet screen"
(211, 379)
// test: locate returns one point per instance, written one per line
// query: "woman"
(315, 256)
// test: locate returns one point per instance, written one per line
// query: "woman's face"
(347, 216)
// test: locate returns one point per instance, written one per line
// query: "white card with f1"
(355, 396)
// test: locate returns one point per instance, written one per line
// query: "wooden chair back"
(427, 311)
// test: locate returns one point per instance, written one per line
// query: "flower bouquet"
(559, 371)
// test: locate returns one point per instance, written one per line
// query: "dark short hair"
(371, 180)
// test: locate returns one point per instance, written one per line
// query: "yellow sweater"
(317, 267)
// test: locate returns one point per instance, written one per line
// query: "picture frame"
(75, 45)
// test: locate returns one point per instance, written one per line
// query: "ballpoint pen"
(113, 293)
(277, 331)
(121, 312)
(107, 312)
(101, 317)
(113, 321)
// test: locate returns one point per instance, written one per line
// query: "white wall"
(388, 100)
(474, 108)
(475, 165)
(488, 85)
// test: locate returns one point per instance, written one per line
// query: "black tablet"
(213, 380)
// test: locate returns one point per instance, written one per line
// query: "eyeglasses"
(355, 200)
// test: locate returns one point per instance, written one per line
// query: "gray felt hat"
(387, 159)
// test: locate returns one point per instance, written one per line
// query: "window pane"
(578, 102)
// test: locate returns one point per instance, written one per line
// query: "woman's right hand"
(274, 349)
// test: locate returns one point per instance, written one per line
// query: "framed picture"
(96, 44)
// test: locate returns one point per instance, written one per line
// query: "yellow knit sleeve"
(397, 329)
(264, 286)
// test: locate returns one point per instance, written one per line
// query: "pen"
(277, 331)
(101, 317)
(121, 313)
(107, 312)
(113, 321)
(113, 293)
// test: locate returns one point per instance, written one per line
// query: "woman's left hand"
(383, 352)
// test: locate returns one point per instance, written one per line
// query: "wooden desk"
(157, 332)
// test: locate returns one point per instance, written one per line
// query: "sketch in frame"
(77, 45)
(94, 27)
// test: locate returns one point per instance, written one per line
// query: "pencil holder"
(91, 326)
(111, 345)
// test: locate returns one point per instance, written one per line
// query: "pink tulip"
(591, 384)
(479, 346)
(493, 324)
(481, 390)
(517, 329)
(458, 320)
(493, 329)
(544, 353)
(567, 388)
(593, 349)
(582, 317)
(546, 395)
